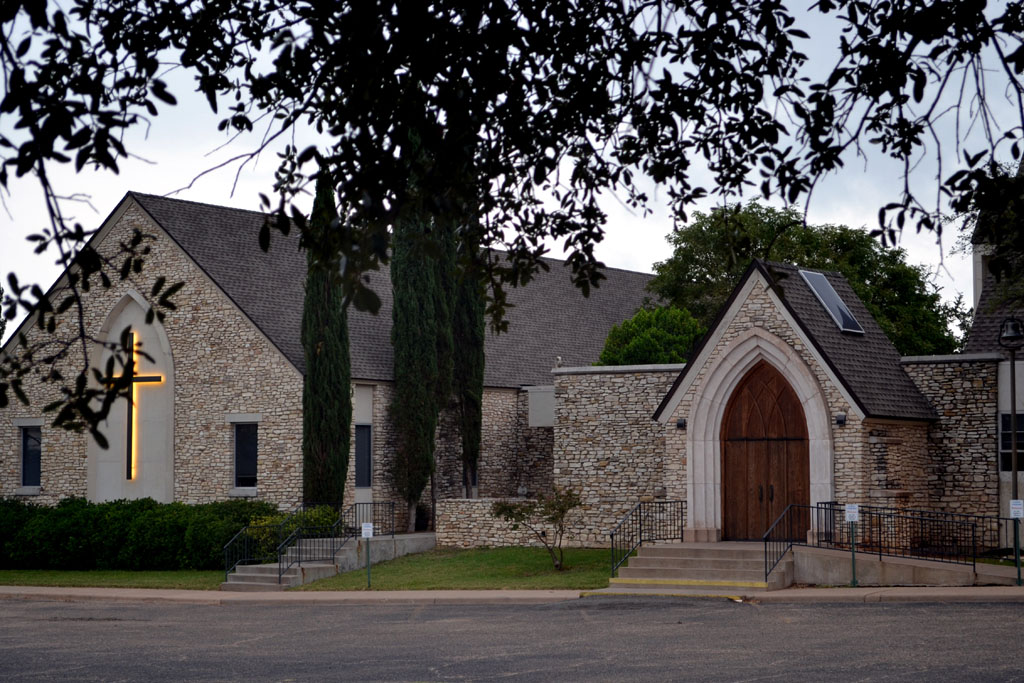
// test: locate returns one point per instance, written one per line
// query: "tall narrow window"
(245, 454)
(1005, 443)
(364, 462)
(31, 447)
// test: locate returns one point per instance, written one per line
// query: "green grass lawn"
(191, 580)
(492, 568)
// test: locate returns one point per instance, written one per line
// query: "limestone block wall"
(222, 365)
(898, 465)
(963, 471)
(607, 446)
(468, 523)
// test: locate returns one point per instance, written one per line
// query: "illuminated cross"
(130, 440)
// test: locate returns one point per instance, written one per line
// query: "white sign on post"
(367, 529)
(852, 512)
(1017, 509)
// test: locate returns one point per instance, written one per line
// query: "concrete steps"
(263, 577)
(706, 569)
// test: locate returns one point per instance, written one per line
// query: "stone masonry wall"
(222, 364)
(898, 465)
(468, 523)
(607, 446)
(962, 471)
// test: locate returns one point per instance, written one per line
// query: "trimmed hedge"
(122, 534)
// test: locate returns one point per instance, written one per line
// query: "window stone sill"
(28, 491)
(242, 492)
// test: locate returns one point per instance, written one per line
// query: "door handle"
(760, 493)
(771, 493)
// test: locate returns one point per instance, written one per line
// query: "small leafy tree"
(656, 335)
(547, 512)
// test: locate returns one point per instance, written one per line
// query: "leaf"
(264, 236)
(161, 93)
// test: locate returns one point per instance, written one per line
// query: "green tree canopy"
(654, 335)
(714, 249)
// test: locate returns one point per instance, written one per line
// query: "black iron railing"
(321, 543)
(254, 544)
(660, 520)
(310, 534)
(937, 536)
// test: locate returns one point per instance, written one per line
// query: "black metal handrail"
(659, 520)
(320, 543)
(254, 544)
(938, 536)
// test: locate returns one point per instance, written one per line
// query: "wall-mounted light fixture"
(681, 423)
(840, 419)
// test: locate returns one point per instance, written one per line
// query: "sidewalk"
(1003, 594)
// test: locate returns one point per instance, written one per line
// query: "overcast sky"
(183, 141)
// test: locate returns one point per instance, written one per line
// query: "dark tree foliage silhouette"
(326, 388)
(468, 331)
(528, 112)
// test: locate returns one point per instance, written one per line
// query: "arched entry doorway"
(765, 460)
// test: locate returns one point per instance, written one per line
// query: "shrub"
(548, 512)
(122, 534)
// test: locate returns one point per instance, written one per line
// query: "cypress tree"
(326, 390)
(414, 338)
(444, 301)
(468, 330)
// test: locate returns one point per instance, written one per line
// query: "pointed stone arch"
(152, 448)
(711, 397)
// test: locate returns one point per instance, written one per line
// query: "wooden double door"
(765, 463)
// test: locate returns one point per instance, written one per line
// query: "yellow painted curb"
(691, 582)
(597, 594)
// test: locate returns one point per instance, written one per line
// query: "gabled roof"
(867, 365)
(548, 318)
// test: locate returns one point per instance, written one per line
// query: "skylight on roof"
(828, 297)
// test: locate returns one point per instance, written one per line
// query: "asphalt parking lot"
(590, 639)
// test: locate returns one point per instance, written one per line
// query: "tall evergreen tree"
(444, 304)
(326, 390)
(414, 338)
(468, 328)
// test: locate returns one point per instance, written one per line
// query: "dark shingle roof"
(867, 365)
(988, 317)
(549, 317)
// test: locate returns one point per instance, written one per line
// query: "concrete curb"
(143, 595)
(868, 594)
(904, 594)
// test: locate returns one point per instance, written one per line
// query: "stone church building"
(220, 416)
(795, 395)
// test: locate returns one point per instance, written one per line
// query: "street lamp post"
(1011, 338)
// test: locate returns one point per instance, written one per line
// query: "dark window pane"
(364, 463)
(245, 455)
(1006, 442)
(31, 467)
